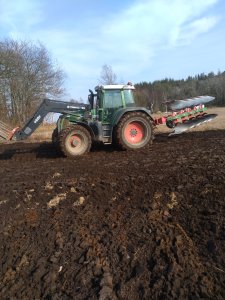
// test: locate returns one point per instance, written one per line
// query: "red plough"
(186, 114)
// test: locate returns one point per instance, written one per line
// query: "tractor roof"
(128, 86)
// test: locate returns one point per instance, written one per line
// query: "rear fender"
(121, 112)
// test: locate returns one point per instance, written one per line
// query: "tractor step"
(106, 130)
(182, 127)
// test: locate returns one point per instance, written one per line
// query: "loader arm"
(46, 106)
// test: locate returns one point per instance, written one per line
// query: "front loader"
(111, 117)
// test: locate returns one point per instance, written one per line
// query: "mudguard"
(85, 125)
(120, 112)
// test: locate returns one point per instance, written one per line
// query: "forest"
(155, 94)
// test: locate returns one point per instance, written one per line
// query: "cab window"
(129, 98)
(113, 99)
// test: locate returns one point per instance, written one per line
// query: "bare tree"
(27, 75)
(107, 75)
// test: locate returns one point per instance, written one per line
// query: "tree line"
(155, 94)
(28, 74)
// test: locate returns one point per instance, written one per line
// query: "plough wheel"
(75, 140)
(170, 124)
(134, 131)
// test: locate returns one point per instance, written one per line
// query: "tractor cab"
(111, 98)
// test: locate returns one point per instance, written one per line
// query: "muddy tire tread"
(63, 134)
(118, 137)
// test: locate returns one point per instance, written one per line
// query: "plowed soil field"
(114, 224)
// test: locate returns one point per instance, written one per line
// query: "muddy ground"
(114, 224)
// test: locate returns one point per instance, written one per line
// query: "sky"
(142, 40)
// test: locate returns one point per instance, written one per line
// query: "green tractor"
(110, 117)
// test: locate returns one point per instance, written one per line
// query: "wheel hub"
(75, 141)
(133, 132)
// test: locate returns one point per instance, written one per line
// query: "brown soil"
(114, 224)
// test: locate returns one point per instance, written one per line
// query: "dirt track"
(114, 225)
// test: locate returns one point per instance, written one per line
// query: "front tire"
(55, 136)
(75, 140)
(134, 131)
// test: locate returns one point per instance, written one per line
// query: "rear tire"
(134, 131)
(75, 140)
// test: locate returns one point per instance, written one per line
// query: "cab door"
(112, 101)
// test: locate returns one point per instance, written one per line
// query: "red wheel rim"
(134, 132)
